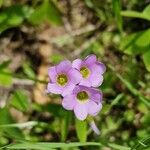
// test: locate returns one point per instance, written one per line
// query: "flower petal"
(102, 67)
(94, 108)
(97, 68)
(85, 82)
(90, 59)
(96, 95)
(96, 79)
(68, 89)
(69, 102)
(52, 73)
(81, 110)
(77, 63)
(63, 67)
(74, 76)
(54, 88)
(94, 127)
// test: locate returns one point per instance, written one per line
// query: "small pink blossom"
(83, 101)
(91, 71)
(63, 78)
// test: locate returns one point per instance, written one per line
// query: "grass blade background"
(117, 10)
(81, 130)
(46, 146)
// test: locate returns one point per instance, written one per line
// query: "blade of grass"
(131, 88)
(145, 143)
(117, 10)
(81, 130)
(65, 122)
(119, 147)
(46, 146)
(20, 125)
(5, 64)
(20, 77)
(117, 99)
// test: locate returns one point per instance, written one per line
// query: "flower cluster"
(77, 82)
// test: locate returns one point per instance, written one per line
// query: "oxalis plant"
(78, 83)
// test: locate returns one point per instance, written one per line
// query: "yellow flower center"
(82, 96)
(85, 72)
(62, 79)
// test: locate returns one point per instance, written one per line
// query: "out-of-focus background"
(37, 34)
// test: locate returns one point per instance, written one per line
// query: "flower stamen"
(62, 79)
(85, 72)
(82, 96)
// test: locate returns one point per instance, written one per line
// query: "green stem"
(20, 77)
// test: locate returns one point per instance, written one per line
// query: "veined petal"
(54, 88)
(96, 79)
(69, 102)
(52, 73)
(96, 95)
(77, 63)
(97, 68)
(63, 67)
(74, 76)
(81, 110)
(102, 67)
(85, 82)
(94, 108)
(90, 59)
(68, 89)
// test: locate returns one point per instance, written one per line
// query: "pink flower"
(91, 71)
(63, 78)
(83, 101)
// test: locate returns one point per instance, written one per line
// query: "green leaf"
(142, 144)
(146, 11)
(47, 11)
(89, 3)
(5, 80)
(135, 14)
(55, 109)
(131, 88)
(28, 71)
(117, 99)
(19, 100)
(47, 146)
(119, 147)
(19, 125)
(6, 118)
(65, 126)
(129, 115)
(117, 10)
(81, 130)
(13, 16)
(4, 64)
(56, 58)
(136, 43)
(146, 59)
(134, 91)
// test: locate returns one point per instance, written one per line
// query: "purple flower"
(63, 78)
(84, 101)
(91, 71)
